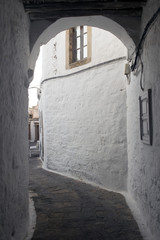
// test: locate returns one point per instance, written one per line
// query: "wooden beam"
(36, 2)
(72, 13)
(100, 5)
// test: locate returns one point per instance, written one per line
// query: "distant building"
(33, 124)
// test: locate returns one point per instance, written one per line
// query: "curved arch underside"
(65, 23)
(127, 13)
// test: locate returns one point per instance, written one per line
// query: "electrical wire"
(150, 22)
(142, 88)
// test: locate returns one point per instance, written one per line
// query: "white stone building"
(23, 32)
(83, 104)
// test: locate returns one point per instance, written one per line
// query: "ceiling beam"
(97, 5)
(36, 2)
(72, 13)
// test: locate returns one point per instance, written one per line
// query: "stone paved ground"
(70, 210)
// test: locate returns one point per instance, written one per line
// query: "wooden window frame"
(145, 105)
(69, 51)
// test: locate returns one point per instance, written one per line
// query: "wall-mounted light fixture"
(127, 72)
(127, 69)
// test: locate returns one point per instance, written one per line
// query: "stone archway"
(95, 21)
(66, 23)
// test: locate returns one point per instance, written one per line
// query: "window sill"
(78, 63)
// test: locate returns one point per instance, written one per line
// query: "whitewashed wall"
(85, 114)
(144, 160)
(105, 47)
(13, 121)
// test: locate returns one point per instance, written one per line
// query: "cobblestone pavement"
(71, 210)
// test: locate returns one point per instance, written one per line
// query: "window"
(30, 116)
(78, 46)
(146, 117)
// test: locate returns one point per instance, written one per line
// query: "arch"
(66, 23)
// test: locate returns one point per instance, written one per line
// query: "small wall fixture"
(127, 72)
(127, 69)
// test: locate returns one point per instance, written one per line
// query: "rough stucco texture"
(13, 121)
(85, 125)
(144, 164)
(105, 46)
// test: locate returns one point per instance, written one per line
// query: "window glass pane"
(78, 31)
(84, 29)
(78, 42)
(74, 56)
(85, 52)
(78, 54)
(84, 39)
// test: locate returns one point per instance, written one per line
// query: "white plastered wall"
(144, 160)
(85, 113)
(14, 49)
(54, 53)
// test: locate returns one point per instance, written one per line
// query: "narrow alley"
(67, 209)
